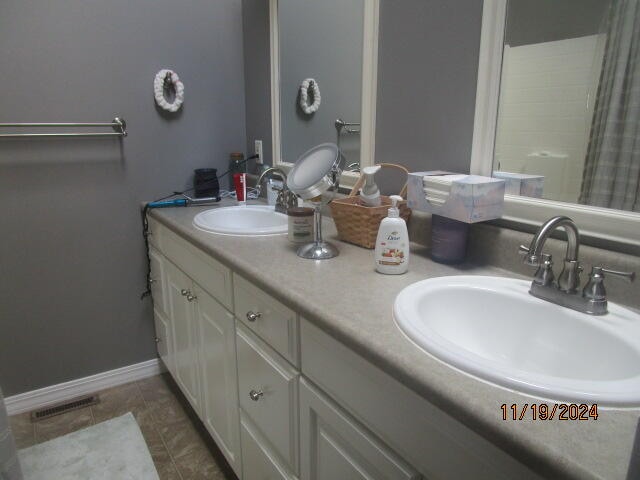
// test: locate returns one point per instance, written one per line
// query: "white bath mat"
(110, 450)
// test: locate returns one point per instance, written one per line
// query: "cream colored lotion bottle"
(392, 244)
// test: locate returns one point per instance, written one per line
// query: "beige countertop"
(350, 301)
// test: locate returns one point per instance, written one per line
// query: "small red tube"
(240, 182)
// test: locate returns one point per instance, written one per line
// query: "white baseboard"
(28, 401)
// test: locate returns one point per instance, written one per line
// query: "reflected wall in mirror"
(322, 41)
(569, 105)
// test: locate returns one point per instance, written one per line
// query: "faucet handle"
(544, 275)
(594, 289)
(529, 258)
(600, 271)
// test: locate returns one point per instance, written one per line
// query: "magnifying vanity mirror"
(323, 79)
(314, 178)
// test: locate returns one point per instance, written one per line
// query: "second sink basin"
(251, 220)
(493, 328)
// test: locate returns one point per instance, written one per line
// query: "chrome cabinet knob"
(152, 280)
(255, 395)
(252, 317)
(184, 292)
(157, 340)
(190, 297)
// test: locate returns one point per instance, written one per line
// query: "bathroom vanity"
(298, 371)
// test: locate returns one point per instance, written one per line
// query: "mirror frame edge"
(370, 29)
(615, 229)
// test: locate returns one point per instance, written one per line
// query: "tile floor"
(180, 446)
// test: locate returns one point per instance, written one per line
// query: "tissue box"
(471, 199)
(522, 184)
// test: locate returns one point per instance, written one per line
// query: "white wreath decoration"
(158, 88)
(304, 96)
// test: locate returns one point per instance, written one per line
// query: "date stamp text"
(544, 411)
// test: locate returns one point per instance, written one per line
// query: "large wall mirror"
(558, 111)
(328, 48)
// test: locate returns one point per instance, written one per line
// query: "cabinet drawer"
(271, 320)
(333, 445)
(435, 443)
(258, 462)
(268, 389)
(210, 274)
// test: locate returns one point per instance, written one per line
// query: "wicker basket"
(359, 224)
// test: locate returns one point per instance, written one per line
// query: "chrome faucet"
(286, 198)
(569, 279)
(566, 290)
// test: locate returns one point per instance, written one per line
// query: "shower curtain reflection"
(611, 176)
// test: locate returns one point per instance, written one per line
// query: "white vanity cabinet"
(199, 334)
(286, 401)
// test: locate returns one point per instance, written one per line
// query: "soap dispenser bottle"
(392, 244)
(370, 193)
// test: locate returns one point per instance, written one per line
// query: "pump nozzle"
(394, 211)
(370, 194)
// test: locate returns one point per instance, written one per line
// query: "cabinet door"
(258, 462)
(158, 281)
(183, 326)
(163, 338)
(333, 445)
(218, 372)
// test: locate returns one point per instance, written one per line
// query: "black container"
(205, 182)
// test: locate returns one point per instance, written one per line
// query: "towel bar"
(118, 124)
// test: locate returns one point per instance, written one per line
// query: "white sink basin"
(242, 220)
(491, 327)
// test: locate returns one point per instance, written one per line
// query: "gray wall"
(427, 72)
(537, 21)
(320, 40)
(257, 74)
(71, 253)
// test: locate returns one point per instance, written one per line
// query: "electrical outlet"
(258, 151)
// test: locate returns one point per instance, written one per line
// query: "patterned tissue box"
(522, 184)
(471, 199)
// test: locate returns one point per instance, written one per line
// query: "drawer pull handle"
(184, 292)
(252, 317)
(191, 298)
(255, 395)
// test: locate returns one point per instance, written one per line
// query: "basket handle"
(360, 181)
